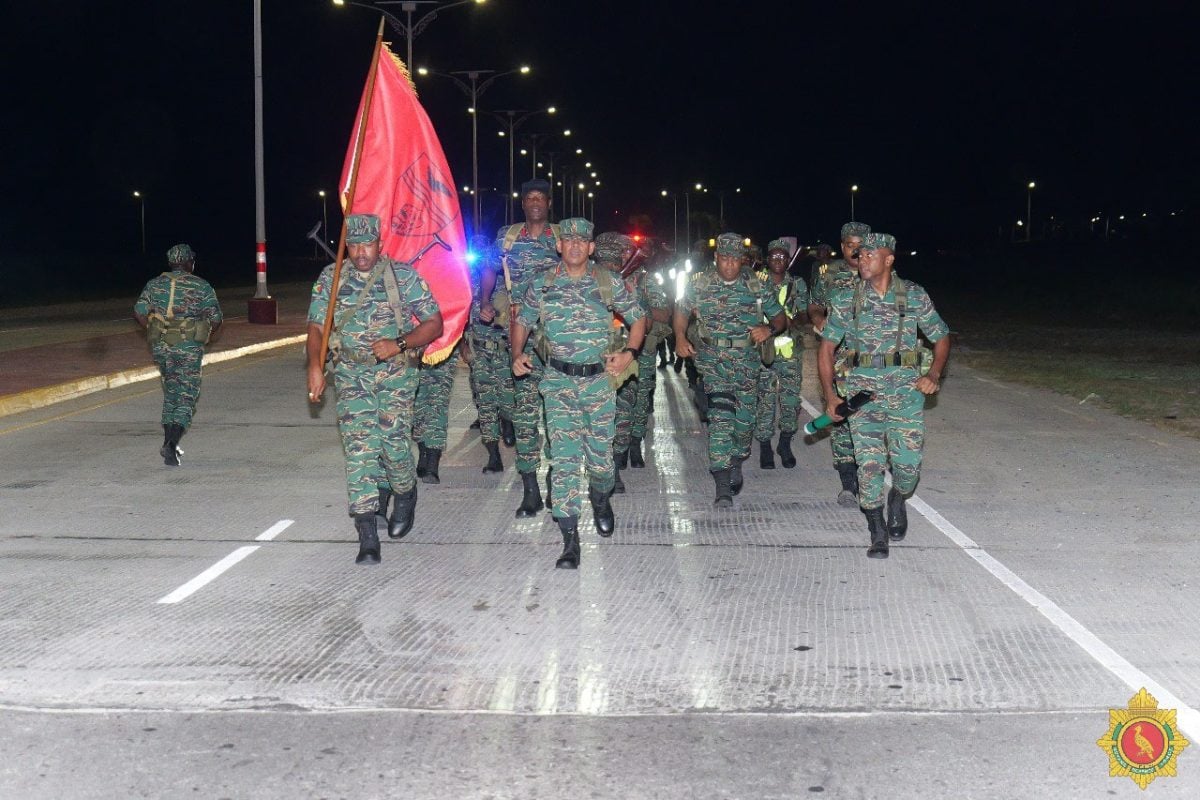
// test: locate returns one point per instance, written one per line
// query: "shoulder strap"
(392, 287)
(555, 230)
(510, 236)
(900, 287)
(605, 286)
(362, 294)
(171, 295)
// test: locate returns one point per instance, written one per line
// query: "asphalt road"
(748, 653)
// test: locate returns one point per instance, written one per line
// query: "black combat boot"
(507, 434)
(433, 457)
(735, 475)
(162, 451)
(621, 458)
(174, 434)
(531, 499)
(549, 490)
(724, 495)
(848, 473)
(618, 484)
(766, 459)
(385, 499)
(422, 459)
(474, 425)
(368, 538)
(569, 559)
(635, 452)
(602, 511)
(879, 533)
(897, 515)
(404, 510)
(494, 464)
(786, 456)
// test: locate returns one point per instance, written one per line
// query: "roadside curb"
(61, 392)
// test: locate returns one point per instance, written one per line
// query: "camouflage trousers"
(492, 373)
(647, 379)
(580, 421)
(731, 384)
(839, 435)
(179, 368)
(889, 430)
(374, 412)
(527, 412)
(626, 401)
(431, 409)
(779, 384)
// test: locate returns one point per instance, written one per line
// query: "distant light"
(687, 265)
(913, 253)
(1021, 223)
(699, 187)
(738, 189)
(422, 71)
(658, 277)
(136, 193)
(470, 110)
(1032, 185)
(1121, 217)
(472, 256)
(578, 151)
(516, 194)
(746, 242)
(712, 242)
(1144, 214)
(854, 188)
(502, 134)
(592, 174)
(567, 132)
(597, 183)
(466, 188)
(587, 165)
(551, 110)
(524, 70)
(664, 194)
(320, 193)
(339, 2)
(671, 273)
(524, 152)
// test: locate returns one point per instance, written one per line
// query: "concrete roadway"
(748, 653)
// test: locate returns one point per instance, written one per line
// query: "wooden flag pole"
(349, 207)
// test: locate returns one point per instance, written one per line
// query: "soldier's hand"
(760, 333)
(684, 349)
(316, 384)
(487, 312)
(521, 365)
(831, 408)
(615, 363)
(385, 349)
(927, 385)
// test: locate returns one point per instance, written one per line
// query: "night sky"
(941, 118)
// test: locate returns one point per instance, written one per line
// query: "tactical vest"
(754, 283)
(920, 358)
(616, 331)
(392, 288)
(174, 330)
(502, 298)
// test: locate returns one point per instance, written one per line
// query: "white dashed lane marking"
(216, 570)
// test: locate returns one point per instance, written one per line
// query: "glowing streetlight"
(142, 204)
(406, 26)
(853, 191)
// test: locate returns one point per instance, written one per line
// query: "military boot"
(404, 511)
(724, 494)
(602, 511)
(494, 464)
(368, 538)
(848, 473)
(422, 459)
(897, 515)
(569, 558)
(549, 489)
(621, 458)
(736, 480)
(531, 498)
(433, 457)
(766, 459)
(507, 434)
(786, 456)
(171, 445)
(618, 484)
(474, 425)
(385, 499)
(162, 451)
(879, 533)
(635, 452)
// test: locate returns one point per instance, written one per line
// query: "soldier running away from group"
(828, 277)
(522, 251)
(730, 304)
(179, 311)
(384, 314)
(879, 318)
(783, 362)
(574, 304)
(491, 370)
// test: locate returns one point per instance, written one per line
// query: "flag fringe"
(437, 357)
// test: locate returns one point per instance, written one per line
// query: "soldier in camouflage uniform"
(879, 319)
(492, 367)
(431, 414)
(179, 311)
(575, 303)
(611, 252)
(384, 314)
(730, 304)
(651, 292)
(521, 252)
(828, 277)
(779, 381)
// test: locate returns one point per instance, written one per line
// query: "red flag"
(404, 179)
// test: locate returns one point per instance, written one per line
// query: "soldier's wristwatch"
(403, 345)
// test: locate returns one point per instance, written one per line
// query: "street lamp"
(509, 118)
(474, 90)
(142, 202)
(409, 30)
(853, 191)
(324, 214)
(1029, 210)
(674, 215)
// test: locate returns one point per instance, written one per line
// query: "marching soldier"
(612, 251)
(879, 318)
(375, 354)
(828, 277)
(575, 304)
(730, 304)
(431, 414)
(179, 311)
(651, 292)
(779, 381)
(492, 367)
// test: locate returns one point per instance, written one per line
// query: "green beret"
(611, 247)
(180, 254)
(859, 229)
(535, 185)
(779, 244)
(874, 241)
(362, 228)
(575, 228)
(730, 244)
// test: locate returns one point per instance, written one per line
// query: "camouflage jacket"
(727, 310)
(871, 324)
(573, 314)
(375, 319)
(194, 299)
(828, 277)
(528, 256)
(792, 293)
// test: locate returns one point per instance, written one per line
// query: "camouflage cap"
(535, 185)
(778, 244)
(180, 254)
(575, 228)
(611, 247)
(730, 244)
(859, 229)
(362, 228)
(874, 241)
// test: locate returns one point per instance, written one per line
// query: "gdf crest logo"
(1142, 741)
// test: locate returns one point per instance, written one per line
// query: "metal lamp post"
(142, 203)
(262, 307)
(674, 215)
(1029, 210)
(410, 30)
(853, 191)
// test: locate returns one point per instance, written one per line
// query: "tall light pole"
(1029, 210)
(410, 30)
(142, 202)
(474, 90)
(508, 118)
(853, 191)
(262, 307)
(324, 215)
(674, 215)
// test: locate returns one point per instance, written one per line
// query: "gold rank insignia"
(1142, 741)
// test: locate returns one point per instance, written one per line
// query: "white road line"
(215, 571)
(1187, 717)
